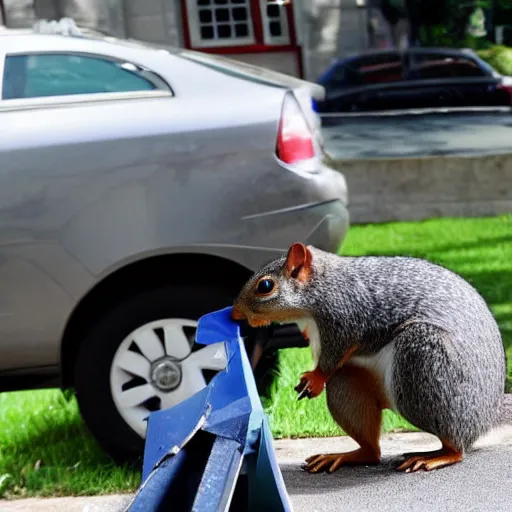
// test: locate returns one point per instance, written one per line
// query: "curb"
(112, 503)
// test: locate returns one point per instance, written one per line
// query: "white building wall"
(157, 21)
(330, 29)
(19, 13)
(326, 29)
(104, 15)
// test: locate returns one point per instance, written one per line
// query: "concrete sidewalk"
(114, 503)
(481, 483)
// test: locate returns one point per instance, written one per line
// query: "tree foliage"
(445, 22)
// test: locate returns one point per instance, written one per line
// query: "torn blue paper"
(214, 451)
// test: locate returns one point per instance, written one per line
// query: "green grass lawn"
(478, 249)
(45, 449)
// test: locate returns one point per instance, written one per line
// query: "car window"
(368, 70)
(432, 66)
(39, 75)
(379, 68)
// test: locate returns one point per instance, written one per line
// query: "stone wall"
(404, 189)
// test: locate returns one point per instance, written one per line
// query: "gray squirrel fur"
(449, 364)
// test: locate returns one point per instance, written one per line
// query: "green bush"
(499, 57)
(439, 35)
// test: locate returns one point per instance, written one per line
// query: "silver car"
(139, 188)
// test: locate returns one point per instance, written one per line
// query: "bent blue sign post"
(213, 452)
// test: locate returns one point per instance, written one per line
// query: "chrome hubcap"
(158, 366)
(166, 374)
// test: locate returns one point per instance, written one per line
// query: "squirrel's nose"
(237, 313)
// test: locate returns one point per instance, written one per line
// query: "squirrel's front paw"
(311, 384)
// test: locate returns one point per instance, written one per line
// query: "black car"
(418, 78)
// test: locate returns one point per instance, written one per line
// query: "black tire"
(92, 368)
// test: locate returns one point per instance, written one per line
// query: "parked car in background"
(139, 189)
(418, 78)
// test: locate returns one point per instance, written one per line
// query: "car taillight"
(294, 138)
(507, 87)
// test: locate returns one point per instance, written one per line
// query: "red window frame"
(259, 45)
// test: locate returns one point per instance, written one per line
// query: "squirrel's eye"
(265, 286)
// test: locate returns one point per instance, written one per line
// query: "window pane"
(273, 11)
(221, 14)
(33, 76)
(207, 33)
(240, 14)
(225, 21)
(379, 68)
(241, 30)
(205, 16)
(224, 31)
(275, 21)
(378, 58)
(275, 29)
(432, 66)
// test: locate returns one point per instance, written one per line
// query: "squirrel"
(387, 332)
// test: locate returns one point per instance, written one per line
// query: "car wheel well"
(139, 277)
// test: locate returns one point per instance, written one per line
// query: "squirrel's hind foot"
(330, 462)
(431, 460)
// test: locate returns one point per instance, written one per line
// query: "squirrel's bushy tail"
(505, 416)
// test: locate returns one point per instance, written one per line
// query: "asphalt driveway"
(481, 483)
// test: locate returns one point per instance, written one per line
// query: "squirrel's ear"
(298, 262)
